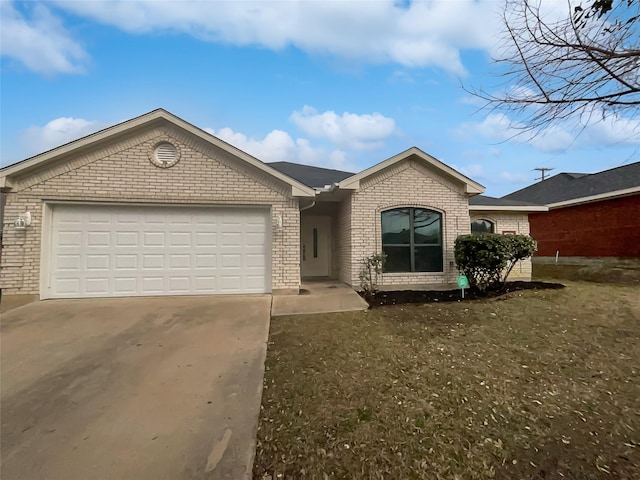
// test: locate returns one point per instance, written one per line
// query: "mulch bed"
(400, 297)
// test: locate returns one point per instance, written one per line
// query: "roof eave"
(509, 208)
(595, 198)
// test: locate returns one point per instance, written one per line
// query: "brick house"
(156, 206)
(593, 221)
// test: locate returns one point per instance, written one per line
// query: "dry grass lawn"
(536, 384)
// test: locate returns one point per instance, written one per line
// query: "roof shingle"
(571, 186)
(316, 177)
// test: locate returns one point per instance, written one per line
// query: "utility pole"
(542, 171)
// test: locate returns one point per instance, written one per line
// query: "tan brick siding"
(407, 183)
(343, 236)
(509, 222)
(122, 172)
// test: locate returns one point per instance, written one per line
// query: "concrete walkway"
(325, 296)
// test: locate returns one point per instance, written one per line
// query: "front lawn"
(536, 384)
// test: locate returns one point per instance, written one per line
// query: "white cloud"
(349, 130)
(417, 34)
(499, 127)
(612, 129)
(279, 146)
(40, 42)
(58, 132)
(599, 130)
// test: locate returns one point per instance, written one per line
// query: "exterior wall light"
(23, 221)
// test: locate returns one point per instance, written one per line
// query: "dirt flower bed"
(536, 384)
(400, 297)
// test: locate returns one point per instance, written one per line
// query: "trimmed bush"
(488, 259)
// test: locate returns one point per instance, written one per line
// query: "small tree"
(371, 269)
(487, 260)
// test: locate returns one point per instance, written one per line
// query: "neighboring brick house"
(156, 206)
(593, 221)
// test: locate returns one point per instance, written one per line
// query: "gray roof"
(483, 200)
(570, 186)
(311, 176)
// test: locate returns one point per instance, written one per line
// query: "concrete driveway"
(133, 388)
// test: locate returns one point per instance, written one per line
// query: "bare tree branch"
(585, 62)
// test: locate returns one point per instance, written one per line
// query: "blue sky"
(336, 84)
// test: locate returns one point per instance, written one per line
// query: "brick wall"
(407, 183)
(343, 246)
(610, 228)
(122, 172)
(510, 222)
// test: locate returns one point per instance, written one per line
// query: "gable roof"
(571, 188)
(471, 187)
(311, 176)
(121, 129)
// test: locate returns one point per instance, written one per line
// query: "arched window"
(482, 226)
(412, 240)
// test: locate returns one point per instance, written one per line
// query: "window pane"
(426, 224)
(396, 227)
(482, 226)
(428, 259)
(398, 259)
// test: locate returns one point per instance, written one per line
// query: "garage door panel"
(67, 285)
(231, 239)
(153, 239)
(126, 239)
(204, 260)
(180, 239)
(152, 262)
(125, 285)
(96, 285)
(153, 285)
(98, 239)
(70, 239)
(134, 251)
(255, 282)
(97, 262)
(231, 283)
(205, 239)
(68, 262)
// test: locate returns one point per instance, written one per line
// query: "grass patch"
(535, 384)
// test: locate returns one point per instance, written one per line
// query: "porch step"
(316, 298)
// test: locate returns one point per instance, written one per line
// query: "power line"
(542, 171)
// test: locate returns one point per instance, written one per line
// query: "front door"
(315, 236)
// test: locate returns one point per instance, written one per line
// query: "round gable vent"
(165, 155)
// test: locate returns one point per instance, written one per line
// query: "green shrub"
(488, 259)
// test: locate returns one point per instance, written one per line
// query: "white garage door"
(118, 251)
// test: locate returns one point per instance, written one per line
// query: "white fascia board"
(509, 208)
(595, 198)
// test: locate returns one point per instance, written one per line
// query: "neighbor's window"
(412, 240)
(482, 226)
